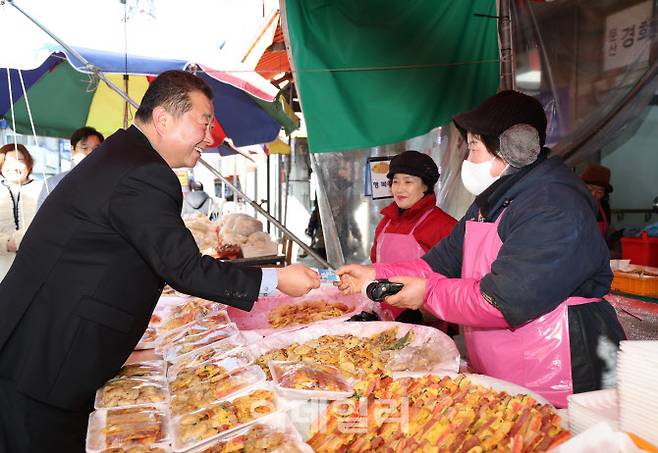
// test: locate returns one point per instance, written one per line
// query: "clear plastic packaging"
(129, 392)
(224, 417)
(213, 351)
(273, 433)
(205, 393)
(421, 357)
(266, 308)
(149, 340)
(358, 349)
(140, 426)
(152, 370)
(190, 341)
(213, 321)
(299, 380)
(187, 312)
(211, 369)
(138, 449)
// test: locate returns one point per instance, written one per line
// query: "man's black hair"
(171, 90)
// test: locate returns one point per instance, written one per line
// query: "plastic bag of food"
(241, 224)
(215, 368)
(414, 358)
(192, 339)
(207, 353)
(299, 380)
(215, 320)
(178, 316)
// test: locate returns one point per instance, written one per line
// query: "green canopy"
(373, 72)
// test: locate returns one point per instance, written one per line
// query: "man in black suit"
(93, 264)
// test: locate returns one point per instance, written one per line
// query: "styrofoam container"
(185, 401)
(212, 351)
(133, 384)
(238, 358)
(588, 408)
(185, 345)
(168, 313)
(163, 448)
(278, 370)
(180, 445)
(279, 421)
(213, 320)
(96, 429)
(149, 369)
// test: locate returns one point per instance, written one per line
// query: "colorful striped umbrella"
(63, 96)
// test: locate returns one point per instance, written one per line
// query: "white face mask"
(477, 177)
(76, 159)
(14, 172)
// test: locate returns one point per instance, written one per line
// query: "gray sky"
(182, 29)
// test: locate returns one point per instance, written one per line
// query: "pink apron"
(536, 355)
(396, 247)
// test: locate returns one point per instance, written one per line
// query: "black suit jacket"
(91, 268)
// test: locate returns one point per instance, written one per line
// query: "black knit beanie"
(502, 111)
(415, 164)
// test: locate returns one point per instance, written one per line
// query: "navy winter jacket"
(551, 250)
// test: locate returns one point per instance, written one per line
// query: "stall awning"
(64, 97)
(372, 72)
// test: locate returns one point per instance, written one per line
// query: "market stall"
(297, 375)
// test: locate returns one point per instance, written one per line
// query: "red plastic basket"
(642, 250)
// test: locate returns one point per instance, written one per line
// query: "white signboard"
(628, 36)
(380, 186)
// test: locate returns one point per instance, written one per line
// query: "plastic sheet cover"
(591, 63)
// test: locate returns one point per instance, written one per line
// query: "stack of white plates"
(589, 408)
(637, 387)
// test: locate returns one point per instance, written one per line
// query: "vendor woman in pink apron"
(412, 223)
(524, 271)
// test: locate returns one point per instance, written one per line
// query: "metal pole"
(268, 189)
(127, 98)
(507, 81)
(278, 224)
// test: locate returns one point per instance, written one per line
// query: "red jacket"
(435, 227)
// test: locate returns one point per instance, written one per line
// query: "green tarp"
(373, 72)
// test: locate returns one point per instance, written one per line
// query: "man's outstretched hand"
(297, 280)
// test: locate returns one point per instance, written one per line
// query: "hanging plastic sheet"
(592, 64)
(349, 217)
